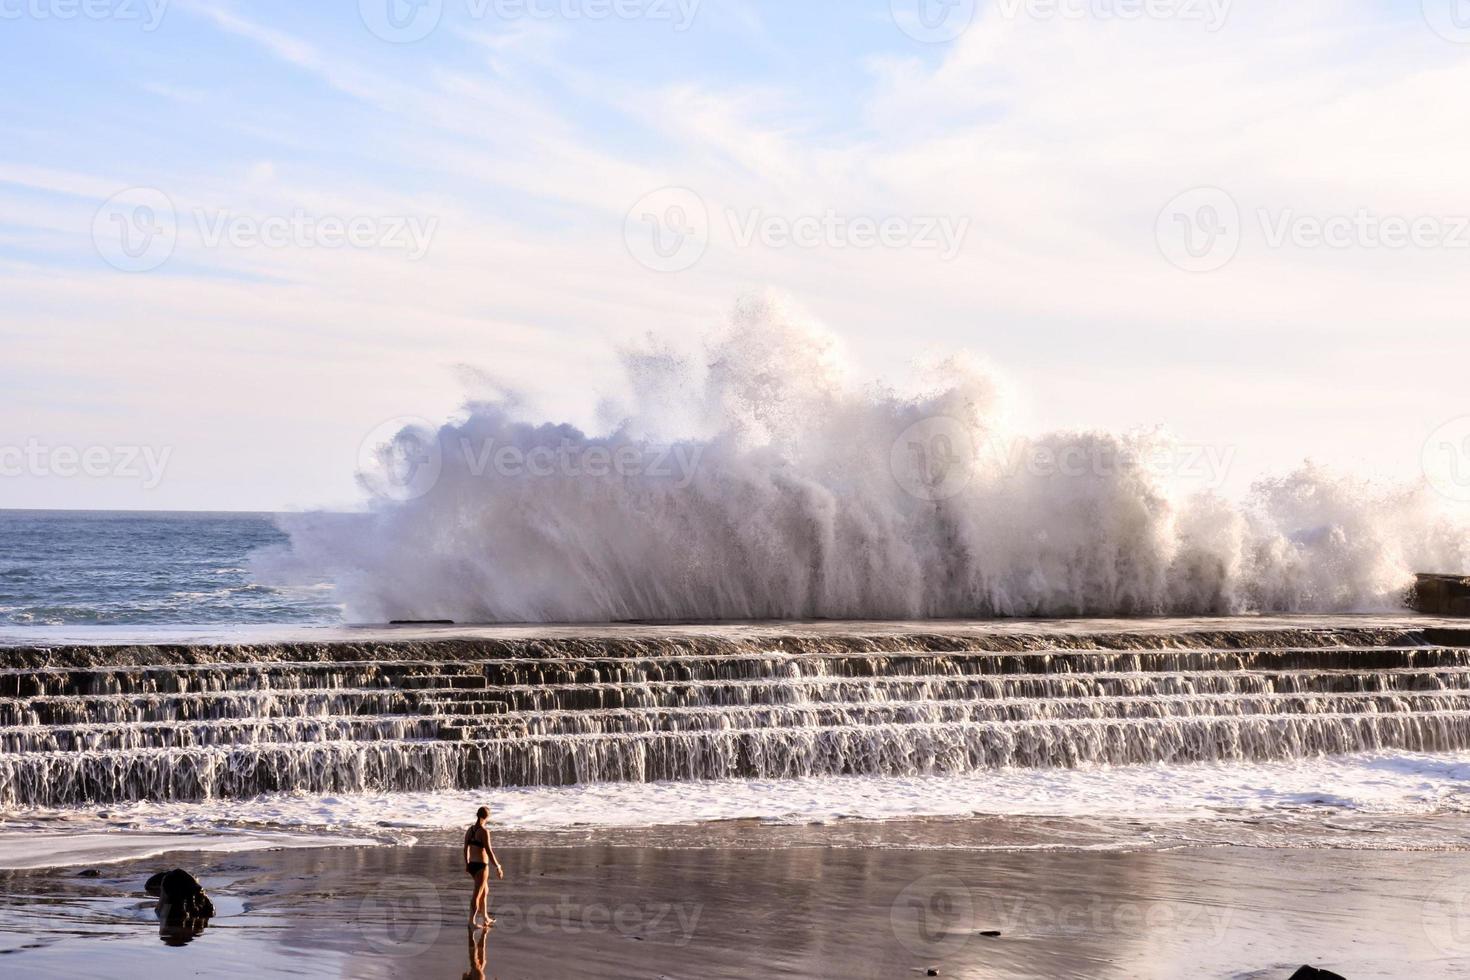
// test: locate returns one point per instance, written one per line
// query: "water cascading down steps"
(109, 724)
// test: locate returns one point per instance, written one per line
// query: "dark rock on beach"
(1313, 973)
(181, 893)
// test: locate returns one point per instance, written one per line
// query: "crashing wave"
(757, 482)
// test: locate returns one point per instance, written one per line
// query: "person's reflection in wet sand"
(479, 939)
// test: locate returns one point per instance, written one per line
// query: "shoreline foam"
(1388, 800)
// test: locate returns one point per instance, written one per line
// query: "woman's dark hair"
(482, 813)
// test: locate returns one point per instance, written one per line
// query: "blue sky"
(521, 146)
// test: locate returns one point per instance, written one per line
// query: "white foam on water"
(24, 848)
(757, 479)
(1388, 784)
(1321, 790)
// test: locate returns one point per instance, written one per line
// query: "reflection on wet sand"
(176, 927)
(183, 910)
(727, 901)
(479, 939)
(783, 904)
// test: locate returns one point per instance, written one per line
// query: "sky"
(237, 238)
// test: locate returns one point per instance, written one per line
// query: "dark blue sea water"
(116, 568)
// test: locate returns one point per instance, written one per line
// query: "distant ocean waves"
(109, 568)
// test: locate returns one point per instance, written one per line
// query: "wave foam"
(756, 482)
(1372, 800)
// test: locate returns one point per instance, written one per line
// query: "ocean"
(128, 568)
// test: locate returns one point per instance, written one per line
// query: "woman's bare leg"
(478, 895)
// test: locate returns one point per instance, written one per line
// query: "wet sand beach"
(740, 900)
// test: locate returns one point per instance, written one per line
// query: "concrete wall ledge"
(1442, 595)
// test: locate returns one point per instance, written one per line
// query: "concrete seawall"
(1442, 595)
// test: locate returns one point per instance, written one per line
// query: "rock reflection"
(183, 909)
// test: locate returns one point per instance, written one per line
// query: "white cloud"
(1058, 141)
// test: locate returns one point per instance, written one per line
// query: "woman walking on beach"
(477, 851)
